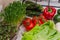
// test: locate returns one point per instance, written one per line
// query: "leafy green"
(6, 30)
(46, 31)
(14, 13)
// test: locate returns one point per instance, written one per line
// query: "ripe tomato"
(28, 24)
(27, 20)
(43, 18)
(40, 20)
(35, 20)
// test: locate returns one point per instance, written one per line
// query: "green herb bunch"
(6, 31)
(14, 13)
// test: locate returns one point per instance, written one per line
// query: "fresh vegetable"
(49, 12)
(44, 19)
(46, 31)
(32, 13)
(33, 9)
(29, 27)
(33, 6)
(26, 21)
(7, 31)
(1, 17)
(40, 21)
(30, 4)
(57, 18)
(35, 20)
(28, 24)
(15, 13)
(58, 11)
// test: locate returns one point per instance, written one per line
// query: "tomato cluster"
(30, 23)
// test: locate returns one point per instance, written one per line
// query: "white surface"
(21, 31)
(52, 3)
(53, 0)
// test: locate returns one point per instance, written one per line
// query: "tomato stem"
(49, 10)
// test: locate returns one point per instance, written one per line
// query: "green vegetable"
(46, 31)
(1, 17)
(32, 13)
(32, 6)
(7, 31)
(33, 9)
(14, 13)
(57, 18)
(58, 11)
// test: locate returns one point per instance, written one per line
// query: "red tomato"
(26, 21)
(40, 21)
(35, 20)
(28, 24)
(44, 19)
(29, 27)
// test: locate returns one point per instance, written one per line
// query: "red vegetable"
(39, 20)
(49, 12)
(35, 20)
(26, 20)
(44, 19)
(28, 24)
